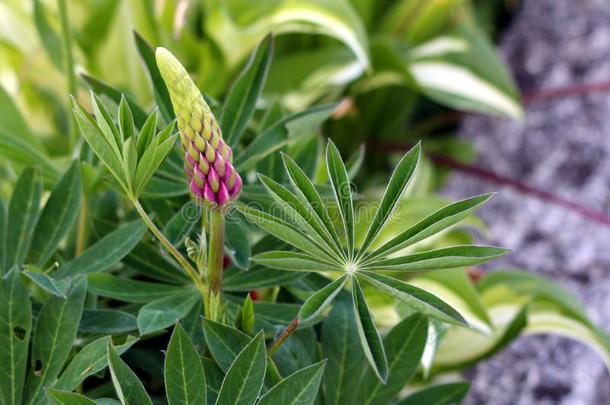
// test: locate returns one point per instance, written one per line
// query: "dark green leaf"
(415, 298)
(148, 260)
(240, 102)
(369, 336)
(15, 330)
(164, 312)
(245, 377)
(299, 388)
(184, 377)
(399, 181)
(107, 322)
(404, 346)
(321, 299)
(58, 288)
(23, 212)
(106, 252)
(53, 338)
(128, 387)
(57, 217)
(432, 224)
(343, 193)
(293, 261)
(441, 394)
(444, 258)
(237, 243)
(68, 398)
(224, 342)
(127, 290)
(3, 220)
(90, 360)
(159, 88)
(257, 277)
(213, 379)
(341, 346)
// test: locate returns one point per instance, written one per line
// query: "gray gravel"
(563, 146)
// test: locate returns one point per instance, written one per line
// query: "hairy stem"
(279, 341)
(186, 265)
(216, 243)
(66, 34)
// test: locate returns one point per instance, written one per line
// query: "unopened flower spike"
(207, 158)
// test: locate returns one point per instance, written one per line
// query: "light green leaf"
(416, 298)
(90, 360)
(128, 290)
(432, 224)
(343, 193)
(57, 217)
(164, 312)
(128, 387)
(15, 331)
(184, 377)
(23, 212)
(444, 258)
(321, 299)
(240, 102)
(399, 181)
(59, 288)
(154, 155)
(369, 336)
(147, 133)
(404, 346)
(68, 398)
(224, 342)
(105, 122)
(440, 394)
(50, 39)
(13, 123)
(245, 377)
(53, 338)
(293, 261)
(126, 124)
(299, 388)
(107, 322)
(106, 252)
(247, 317)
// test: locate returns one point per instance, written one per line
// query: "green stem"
(186, 265)
(68, 60)
(216, 243)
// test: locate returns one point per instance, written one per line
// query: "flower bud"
(207, 159)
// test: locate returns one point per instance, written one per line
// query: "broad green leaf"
(237, 247)
(341, 346)
(369, 336)
(416, 298)
(432, 224)
(180, 225)
(68, 398)
(59, 288)
(321, 299)
(283, 231)
(164, 312)
(53, 339)
(127, 290)
(399, 181)
(308, 194)
(404, 346)
(159, 88)
(184, 377)
(343, 193)
(240, 102)
(293, 261)
(213, 379)
(257, 277)
(300, 213)
(106, 252)
(107, 322)
(244, 379)
(23, 212)
(224, 342)
(282, 133)
(90, 360)
(148, 260)
(57, 217)
(299, 388)
(15, 330)
(161, 188)
(50, 39)
(128, 387)
(440, 394)
(444, 258)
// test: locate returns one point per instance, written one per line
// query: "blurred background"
(508, 95)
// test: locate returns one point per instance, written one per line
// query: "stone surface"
(564, 147)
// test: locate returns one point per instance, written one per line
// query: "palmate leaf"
(241, 99)
(399, 181)
(184, 378)
(299, 388)
(128, 387)
(244, 379)
(293, 261)
(369, 336)
(321, 299)
(343, 193)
